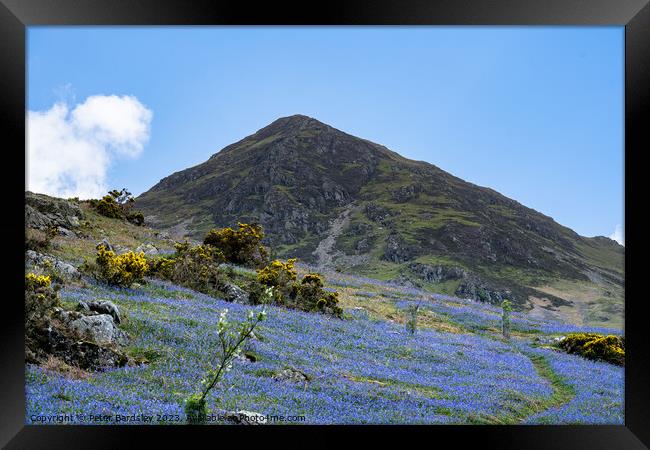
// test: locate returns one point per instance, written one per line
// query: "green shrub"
(195, 267)
(412, 318)
(40, 297)
(308, 295)
(280, 276)
(118, 205)
(607, 348)
(595, 346)
(120, 270)
(161, 267)
(506, 307)
(108, 207)
(136, 218)
(241, 246)
(312, 297)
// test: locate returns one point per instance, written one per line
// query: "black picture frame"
(16, 15)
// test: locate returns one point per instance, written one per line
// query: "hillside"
(338, 201)
(307, 367)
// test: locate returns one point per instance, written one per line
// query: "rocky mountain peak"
(299, 177)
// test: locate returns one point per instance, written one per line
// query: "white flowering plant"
(231, 337)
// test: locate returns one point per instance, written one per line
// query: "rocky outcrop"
(377, 213)
(102, 307)
(437, 274)
(34, 259)
(117, 249)
(87, 342)
(43, 212)
(83, 339)
(471, 286)
(99, 329)
(397, 250)
(74, 352)
(406, 193)
(476, 289)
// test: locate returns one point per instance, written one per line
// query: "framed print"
(375, 219)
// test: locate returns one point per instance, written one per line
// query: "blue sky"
(535, 113)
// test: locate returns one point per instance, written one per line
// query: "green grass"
(520, 407)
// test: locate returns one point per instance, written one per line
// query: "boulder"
(99, 329)
(55, 336)
(377, 213)
(105, 307)
(406, 193)
(117, 249)
(83, 354)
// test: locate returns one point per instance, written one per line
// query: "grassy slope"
(99, 227)
(366, 361)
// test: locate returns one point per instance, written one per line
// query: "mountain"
(333, 199)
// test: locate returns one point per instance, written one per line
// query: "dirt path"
(323, 252)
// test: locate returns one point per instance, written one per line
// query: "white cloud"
(69, 151)
(618, 235)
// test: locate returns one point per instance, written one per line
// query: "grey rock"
(42, 211)
(363, 246)
(476, 289)
(377, 213)
(397, 250)
(33, 258)
(406, 282)
(83, 306)
(99, 329)
(67, 233)
(83, 354)
(235, 294)
(292, 375)
(147, 249)
(104, 242)
(105, 307)
(119, 249)
(437, 274)
(406, 193)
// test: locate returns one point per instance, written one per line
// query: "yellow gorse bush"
(241, 246)
(278, 273)
(308, 295)
(121, 270)
(40, 297)
(33, 281)
(595, 346)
